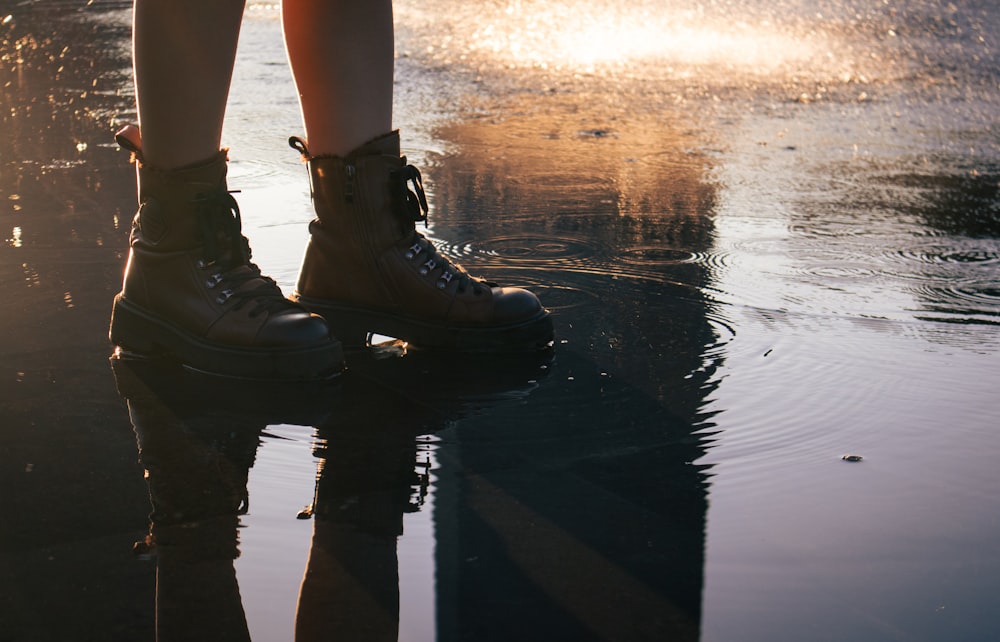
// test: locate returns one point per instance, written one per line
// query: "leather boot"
(367, 270)
(190, 290)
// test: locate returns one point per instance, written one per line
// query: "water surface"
(768, 234)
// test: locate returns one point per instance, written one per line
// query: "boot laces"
(227, 253)
(410, 205)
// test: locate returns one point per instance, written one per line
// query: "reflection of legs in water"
(368, 479)
(197, 599)
(351, 584)
(196, 468)
(198, 437)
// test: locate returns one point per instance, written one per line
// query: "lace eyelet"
(223, 296)
(445, 280)
(429, 265)
(213, 280)
(413, 250)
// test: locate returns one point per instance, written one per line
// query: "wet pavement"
(766, 243)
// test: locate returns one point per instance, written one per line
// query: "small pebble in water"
(852, 457)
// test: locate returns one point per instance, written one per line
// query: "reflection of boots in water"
(197, 449)
(369, 476)
(366, 268)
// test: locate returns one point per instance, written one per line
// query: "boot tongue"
(221, 229)
(406, 186)
(407, 193)
(407, 205)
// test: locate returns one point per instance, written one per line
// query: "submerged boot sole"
(135, 330)
(353, 325)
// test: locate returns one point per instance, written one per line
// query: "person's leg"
(367, 269)
(189, 288)
(183, 54)
(341, 54)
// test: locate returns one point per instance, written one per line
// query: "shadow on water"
(591, 487)
(582, 510)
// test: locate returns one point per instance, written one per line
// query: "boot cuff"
(382, 145)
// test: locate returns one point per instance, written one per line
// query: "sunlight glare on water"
(591, 36)
(562, 34)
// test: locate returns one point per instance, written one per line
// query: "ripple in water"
(724, 333)
(547, 251)
(872, 261)
(936, 255)
(559, 298)
(570, 255)
(568, 273)
(957, 280)
(838, 272)
(652, 256)
(715, 261)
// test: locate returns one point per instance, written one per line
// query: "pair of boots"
(191, 291)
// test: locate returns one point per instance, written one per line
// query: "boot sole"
(136, 330)
(353, 326)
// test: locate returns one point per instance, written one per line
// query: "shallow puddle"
(769, 236)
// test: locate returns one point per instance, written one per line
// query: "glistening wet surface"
(768, 235)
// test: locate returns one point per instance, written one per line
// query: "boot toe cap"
(294, 329)
(512, 305)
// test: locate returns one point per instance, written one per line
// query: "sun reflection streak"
(561, 33)
(587, 36)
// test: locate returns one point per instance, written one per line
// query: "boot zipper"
(349, 183)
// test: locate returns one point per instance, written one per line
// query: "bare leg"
(341, 53)
(362, 257)
(184, 52)
(189, 276)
